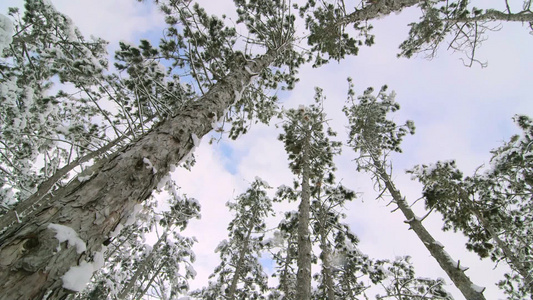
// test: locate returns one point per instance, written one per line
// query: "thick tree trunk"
(454, 270)
(303, 279)
(31, 261)
(23, 209)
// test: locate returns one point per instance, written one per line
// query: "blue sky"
(460, 113)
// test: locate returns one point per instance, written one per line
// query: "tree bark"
(452, 268)
(303, 279)
(31, 261)
(23, 209)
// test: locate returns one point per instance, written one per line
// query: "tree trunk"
(31, 261)
(326, 259)
(326, 269)
(495, 15)
(303, 279)
(452, 268)
(23, 209)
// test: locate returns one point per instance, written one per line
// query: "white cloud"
(113, 20)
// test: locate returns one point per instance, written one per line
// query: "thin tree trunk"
(326, 259)
(303, 279)
(31, 262)
(495, 15)
(284, 280)
(452, 268)
(326, 268)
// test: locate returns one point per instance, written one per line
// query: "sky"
(460, 113)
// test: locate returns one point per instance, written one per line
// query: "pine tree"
(304, 142)
(104, 195)
(459, 24)
(492, 208)
(285, 240)
(311, 158)
(374, 137)
(402, 283)
(240, 274)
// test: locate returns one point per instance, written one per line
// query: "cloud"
(113, 20)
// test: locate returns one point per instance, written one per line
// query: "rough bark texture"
(23, 210)
(303, 279)
(453, 269)
(31, 262)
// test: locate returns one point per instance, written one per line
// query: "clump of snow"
(6, 32)
(84, 178)
(161, 184)
(149, 165)
(190, 270)
(195, 140)
(65, 233)
(117, 230)
(222, 245)
(77, 277)
(131, 219)
(261, 181)
(98, 259)
(477, 288)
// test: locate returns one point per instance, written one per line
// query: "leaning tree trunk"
(452, 268)
(303, 279)
(31, 259)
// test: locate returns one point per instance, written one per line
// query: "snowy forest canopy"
(91, 145)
